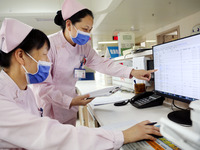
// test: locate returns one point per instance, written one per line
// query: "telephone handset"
(146, 99)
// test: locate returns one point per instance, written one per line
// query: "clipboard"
(104, 92)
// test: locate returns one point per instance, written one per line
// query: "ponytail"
(5, 59)
(58, 20)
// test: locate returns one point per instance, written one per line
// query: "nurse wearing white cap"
(69, 53)
(23, 57)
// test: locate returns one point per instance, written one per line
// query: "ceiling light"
(132, 28)
(150, 41)
(108, 42)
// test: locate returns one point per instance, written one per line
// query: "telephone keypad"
(149, 101)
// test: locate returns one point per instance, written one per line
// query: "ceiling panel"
(145, 15)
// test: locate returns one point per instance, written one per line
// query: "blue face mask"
(81, 37)
(41, 74)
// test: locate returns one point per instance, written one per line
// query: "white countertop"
(123, 117)
(110, 114)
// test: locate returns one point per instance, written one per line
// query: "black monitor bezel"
(166, 95)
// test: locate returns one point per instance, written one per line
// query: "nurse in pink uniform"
(69, 53)
(23, 58)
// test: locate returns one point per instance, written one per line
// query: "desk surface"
(122, 117)
(110, 114)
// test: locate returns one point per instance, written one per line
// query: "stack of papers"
(106, 95)
(107, 100)
(104, 92)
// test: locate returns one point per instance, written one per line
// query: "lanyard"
(41, 112)
(83, 62)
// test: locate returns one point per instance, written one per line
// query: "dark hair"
(35, 39)
(58, 20)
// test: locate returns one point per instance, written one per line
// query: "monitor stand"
(181, 117)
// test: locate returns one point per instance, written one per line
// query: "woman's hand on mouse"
(140, 131)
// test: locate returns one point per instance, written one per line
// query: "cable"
(126, 90)
(173, 104)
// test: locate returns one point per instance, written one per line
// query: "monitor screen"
(178, 64)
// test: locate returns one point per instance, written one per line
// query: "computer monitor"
(178, 75)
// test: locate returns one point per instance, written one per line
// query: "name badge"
(79, 73)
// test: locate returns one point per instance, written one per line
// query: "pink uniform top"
(56, 93)
(22, 127)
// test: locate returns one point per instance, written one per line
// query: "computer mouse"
(156, 136)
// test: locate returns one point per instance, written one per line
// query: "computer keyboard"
(160, 143)
(141, 145)
(129, 147)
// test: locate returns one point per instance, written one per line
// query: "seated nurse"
(23, 57)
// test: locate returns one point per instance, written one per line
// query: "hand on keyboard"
(140, 131)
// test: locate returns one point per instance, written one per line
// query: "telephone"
(146, 99)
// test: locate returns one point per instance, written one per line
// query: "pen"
(89, 98)
(151, 123)
(135, 81)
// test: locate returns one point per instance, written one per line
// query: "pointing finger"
(151, 71)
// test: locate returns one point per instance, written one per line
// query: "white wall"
(186, 25)
(100, 38)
